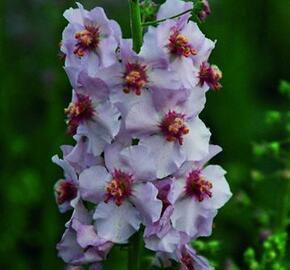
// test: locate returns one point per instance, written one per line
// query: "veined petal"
(167, 154)
(220, 188)
(93, 182)
(196, 142)
(144, 197)
(116, 223)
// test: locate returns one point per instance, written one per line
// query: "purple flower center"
(65, 191)
(78, 112)
(197, 186)
(87, 40)
(180, 46)
(135, 78)
(119, 187)
(173, 127)
(211, 75)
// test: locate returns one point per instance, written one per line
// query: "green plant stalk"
(135, 251)
(135, 244)
(136, 24)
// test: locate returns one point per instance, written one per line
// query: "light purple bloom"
(66, 190)
(95, 120)
(90, 40)
(174, 134)
(121, 190)
(160, 236)
(80, 243)
(198, 193)
(182, 44)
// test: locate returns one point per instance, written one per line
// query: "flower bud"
(205, 12)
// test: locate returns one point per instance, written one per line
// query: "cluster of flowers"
(141, 149)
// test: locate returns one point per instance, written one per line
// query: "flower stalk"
(134, 251)
(136, 24)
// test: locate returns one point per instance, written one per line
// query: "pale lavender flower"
(160, 236)
(182, 44)
(121, 190)
(174, 133)
(80, 243)
(198, 192)
(95, 120)
(66, 190)
(90, 39)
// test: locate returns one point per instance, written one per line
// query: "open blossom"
(160, 235)
(80, 243)
(198, 190)
(120, 190)
(175, 133)
(180, 42)
(66, 190)
(90, 40)
(95, 120)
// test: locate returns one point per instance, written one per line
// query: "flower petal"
(140, 161)
(116, 223)
(196, 142)
(220, 190)
(167, 155)
(144, 197)
(93, 182)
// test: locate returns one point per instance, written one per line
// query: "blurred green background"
(252, 51)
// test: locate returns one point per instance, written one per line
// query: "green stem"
(135, 244)
(134, 251)
(163, 20)
(136, 24)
